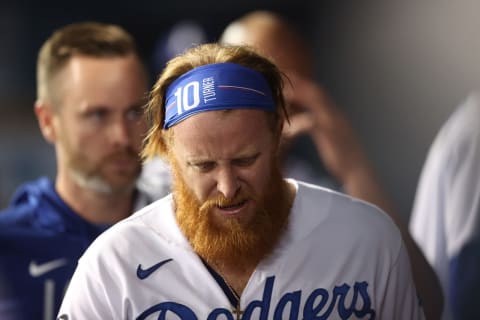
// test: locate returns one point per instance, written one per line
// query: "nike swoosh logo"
(145, 273)
(37, 270)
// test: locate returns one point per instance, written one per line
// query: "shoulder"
(153, 224)
(35, 205)
(327, 226)
(336, 205)
(323, 211)
(26, 200)
(467, 113)
(461, 131)
(446, 200)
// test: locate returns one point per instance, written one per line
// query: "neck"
(237, 278)
(93, 206)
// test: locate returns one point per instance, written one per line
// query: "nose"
(121, 133)
(228, 182)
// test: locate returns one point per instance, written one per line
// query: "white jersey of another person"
(446, 215)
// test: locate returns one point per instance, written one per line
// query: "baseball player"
(91, 89)
(446, 212)
(235, 240)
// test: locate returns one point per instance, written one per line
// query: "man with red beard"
(90, 95)
(235, 240)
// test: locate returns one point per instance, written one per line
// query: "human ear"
(45, 117)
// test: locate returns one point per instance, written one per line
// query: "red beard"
(235, 242)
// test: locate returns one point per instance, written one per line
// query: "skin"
(97, 130)
(221, 153)
(314, 113)
(213, 163)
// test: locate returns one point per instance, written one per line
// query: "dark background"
(397, 68)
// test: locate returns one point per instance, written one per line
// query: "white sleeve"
(400, 297)
(463, 189)
(445, 214)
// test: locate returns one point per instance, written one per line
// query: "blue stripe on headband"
(216, 87)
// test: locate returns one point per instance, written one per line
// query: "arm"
(462, 213)
(339, 148)
(335, 139)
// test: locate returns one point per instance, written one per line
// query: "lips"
(233, 209)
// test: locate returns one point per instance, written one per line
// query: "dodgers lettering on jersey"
(319, 304)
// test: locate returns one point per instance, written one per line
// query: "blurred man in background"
(91, 88)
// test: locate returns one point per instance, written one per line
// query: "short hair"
(210, 53)
(88, 38)
(273, 36)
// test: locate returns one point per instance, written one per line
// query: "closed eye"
(203, 167)
(245, 162)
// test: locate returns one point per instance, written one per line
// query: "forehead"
(223, 134)
(107, 69)
(114, 79)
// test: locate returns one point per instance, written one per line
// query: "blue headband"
(216, 86)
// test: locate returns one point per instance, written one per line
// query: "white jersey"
(340, 258)
(446, 211)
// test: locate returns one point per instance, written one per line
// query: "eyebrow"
(194, 160)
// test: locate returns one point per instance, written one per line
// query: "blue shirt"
(41, 239)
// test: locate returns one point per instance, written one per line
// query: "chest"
(185, 288)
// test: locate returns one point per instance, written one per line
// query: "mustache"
(221, 201)
(123, 154)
